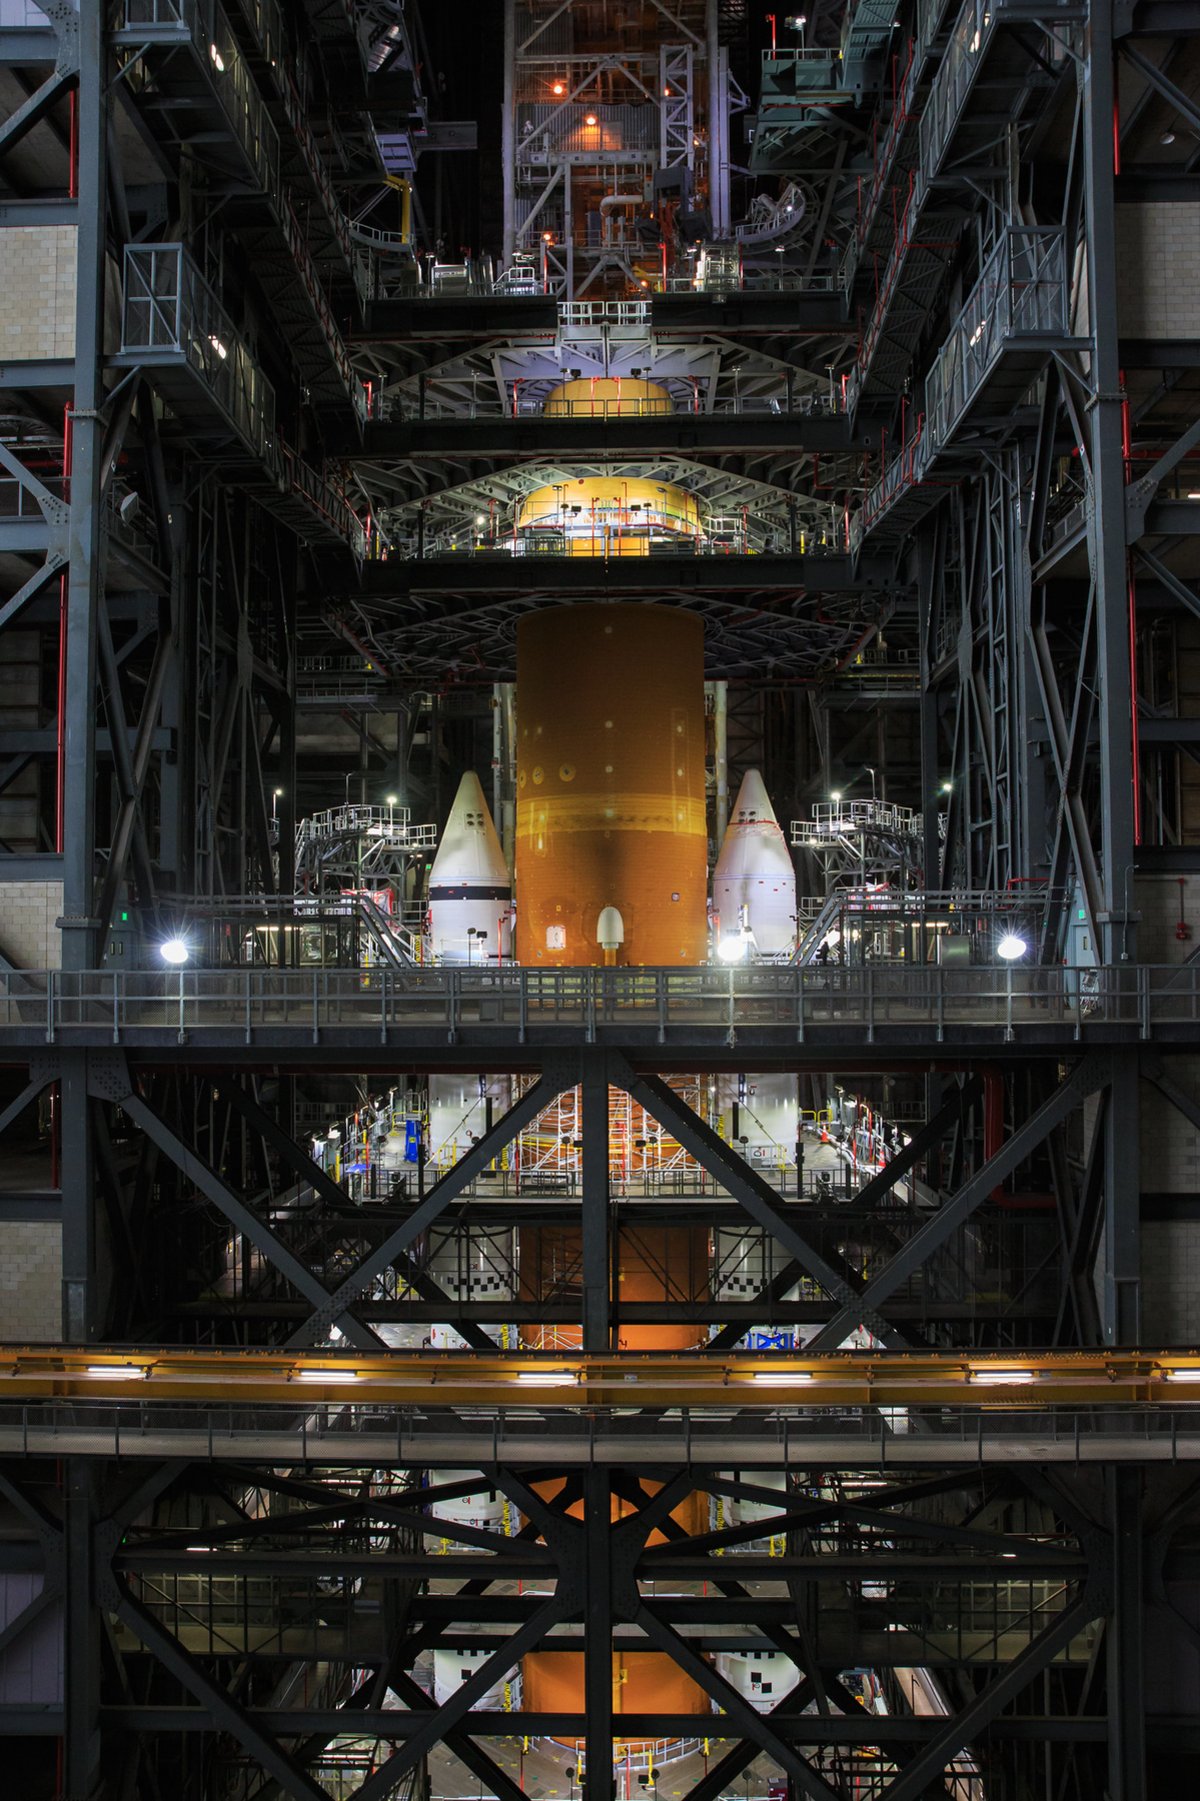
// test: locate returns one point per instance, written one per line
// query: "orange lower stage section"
(654, 1263)
(643, 1682)
(610, 785)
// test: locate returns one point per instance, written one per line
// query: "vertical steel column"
(718, 121)
(85, 574)
(1125, 1641)
(508, 133)
(1107, 552)
(1106, 534)
(597, 1641)
(931, 798)
(594, 1205)
(81, 1314)
(81, 1664)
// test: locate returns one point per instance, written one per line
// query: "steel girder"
(1003, 1585)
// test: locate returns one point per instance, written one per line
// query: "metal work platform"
(757, 1009)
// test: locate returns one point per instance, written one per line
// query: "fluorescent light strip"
(1187, 1375)
(327, 1376)
(118, 1372)
(780, 1378)
(547, 1378)
(1004, 1378)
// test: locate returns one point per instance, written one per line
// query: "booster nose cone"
(753, 804)
(754, 871)
(470, 895)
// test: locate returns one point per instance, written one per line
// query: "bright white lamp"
(1011, 947)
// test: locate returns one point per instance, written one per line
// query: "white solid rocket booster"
(470, 894)
(754, 871)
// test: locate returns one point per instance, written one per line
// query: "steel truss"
(154, 551)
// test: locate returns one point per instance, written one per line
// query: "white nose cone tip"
(754, 871)
(470, 895)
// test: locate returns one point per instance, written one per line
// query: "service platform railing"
(204, 28)
(1019, 299)
(761, 1004)
(335, 1434)
(1019, 303)
(171, 313)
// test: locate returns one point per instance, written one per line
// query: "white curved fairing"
(754, 871)
(469, 885)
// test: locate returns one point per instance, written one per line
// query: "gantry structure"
(268, 1454)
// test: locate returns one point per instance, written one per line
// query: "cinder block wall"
(29, 937)
(30, 1282)
(1158, 269)
(37, 292)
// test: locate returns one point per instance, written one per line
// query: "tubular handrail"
(779, 1002)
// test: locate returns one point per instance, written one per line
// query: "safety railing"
(391, 824)
(839, 817)
(324, 497)
(204, 23)
(297, 240)
(169, 311)
(1020, 300)
(523, 399)
(838, 1437)
(906, 470)
(965, 56)
(778, 1003)
(1021, 296)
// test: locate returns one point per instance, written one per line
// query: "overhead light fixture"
(218, 346)
(1168, 137)
(174, 951)
(217, 59)
(733, 948)
(118, 1372)
(336, 1377)
(1011, 947)
(591, 119)
(392, 799)
(998, 1378)
(548, 1378)
(558, 88)
(781, 1378)
(1185, 1375)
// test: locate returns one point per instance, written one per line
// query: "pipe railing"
(170, 310)
(1021, 296)
(506, 1002)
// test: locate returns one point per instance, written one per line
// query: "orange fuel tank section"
(610, 784)
(643, 1682)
